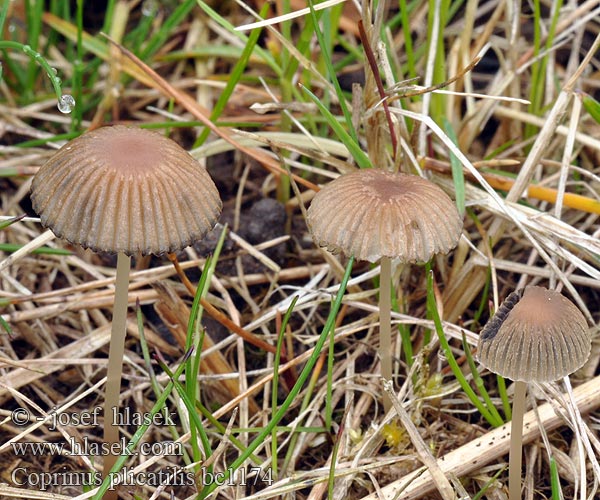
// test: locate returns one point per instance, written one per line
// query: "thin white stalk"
(385, 325)
(115, 359)
(516, 442)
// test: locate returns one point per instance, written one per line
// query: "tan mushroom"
(537, 335)
(125, 189)
(373, 214)
(130, 191)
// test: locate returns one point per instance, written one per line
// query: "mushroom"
(537, 335)
(130, 191)
(374, 214)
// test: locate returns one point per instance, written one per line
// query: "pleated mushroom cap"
(372, 213)
(537, 335)
(124, 189)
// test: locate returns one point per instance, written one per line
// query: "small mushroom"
(374, 214)
(130, 191)
(537, 335)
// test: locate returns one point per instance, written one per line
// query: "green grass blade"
(222, 429)
(42, 142)
(479, 384)
(36, 58)
(78, 66)
(108, 16)
(458, 175)
(538, 69)
(10, 222)
(329, 395)
(33, 15)
(5, 325)
(483, 303)
(174, 20)
(145, 349)
(357, 153)
(438, 101)
(233, 80)
(139, 433)
(194, 340)
(489, 484)
(407, 32)
(592, 107)
(306, 371)
(195, 420)
(326, 55)
(433, 312)
(263, 54)
(275, 390)
(308, 396)
(506, 405)
(3, 12)
(156, 387)
(554, 480)
(136, 37)
(12, 247)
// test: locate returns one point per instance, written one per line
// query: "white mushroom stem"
(385, 324)
(516, 442)
(115, 357)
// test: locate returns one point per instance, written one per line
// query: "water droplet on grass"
(66, 103)
(149, 7)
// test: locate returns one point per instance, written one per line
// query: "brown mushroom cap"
(537, 335)
(124, 189)
(373, 213)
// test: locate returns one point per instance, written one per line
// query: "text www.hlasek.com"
(85, 447)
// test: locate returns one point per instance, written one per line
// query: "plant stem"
(115, 361)
(293, 394)
(516, 442)
(385, 324)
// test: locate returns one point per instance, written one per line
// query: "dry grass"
(532, 206)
